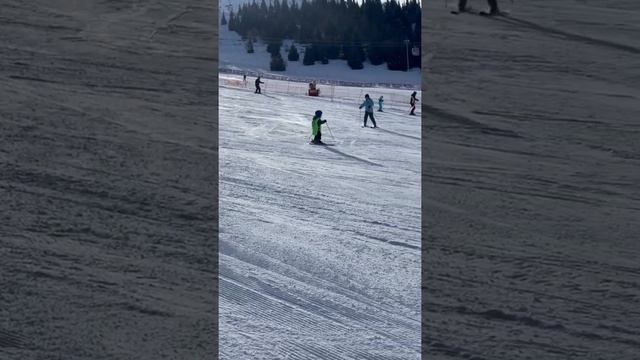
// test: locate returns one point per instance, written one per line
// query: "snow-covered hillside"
(319, 245)
(233, 56)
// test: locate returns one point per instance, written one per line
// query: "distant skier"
(244, 79)
(380, 101)
(315, 128)
(413, 102)
(368, 110)
(258, 82)
(493, 5)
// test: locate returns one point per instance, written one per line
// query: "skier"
(315, 128)
(380, 100)
(493, 5)
(368, 110)
(258, 82)
(413, 103)
(244, 79)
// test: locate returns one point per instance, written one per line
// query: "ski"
(322, 144)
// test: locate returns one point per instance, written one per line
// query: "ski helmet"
(366, 95)
(318, 113)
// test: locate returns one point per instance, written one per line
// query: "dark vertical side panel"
(108, 179)
(530, 181)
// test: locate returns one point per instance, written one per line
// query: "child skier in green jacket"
(315, 128)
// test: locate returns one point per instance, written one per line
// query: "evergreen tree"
(354, 64)
(273, 47)
(318, 52)
(293, 53)
(224, 20)
(375, 54)
(309, 56)
(277, 63)
(396, 58)
(355, 57)
(332, 29)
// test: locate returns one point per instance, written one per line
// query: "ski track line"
(279, 314)
(323, 309)
(387, 241)
(566, 35)
(245, 295)
(446, 278)
(320, 353)
(501, 316)
(282, 316)
(65, 185)
(168, 22)
(495, 149)
(259, 159)
(357, 217)
(10, 339)
(24, 171)
(120, 124)
(469, 123)
(525, 192)
(114, 141)
(133, 179)
(304, 276)
(595, 267)
(326, 310)
(271, 307)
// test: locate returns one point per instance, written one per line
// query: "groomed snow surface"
(319, 245)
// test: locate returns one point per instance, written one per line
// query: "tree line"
(381, 32)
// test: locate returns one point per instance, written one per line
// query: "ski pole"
(330, 132)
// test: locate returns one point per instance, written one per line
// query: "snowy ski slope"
(319, 246)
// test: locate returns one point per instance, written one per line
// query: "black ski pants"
(369, 115)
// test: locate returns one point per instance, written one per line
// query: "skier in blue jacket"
(368, 110)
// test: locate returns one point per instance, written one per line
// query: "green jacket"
(315, 125)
